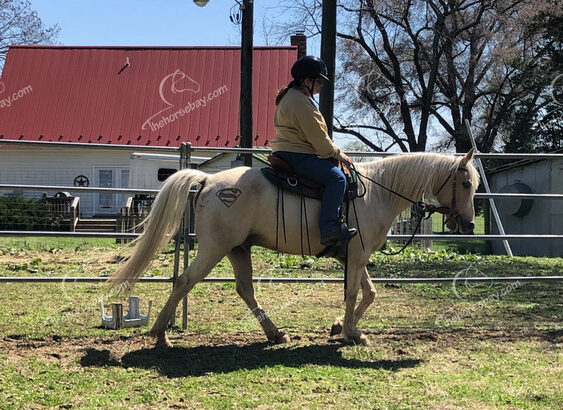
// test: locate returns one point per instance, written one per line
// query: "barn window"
(164, 173)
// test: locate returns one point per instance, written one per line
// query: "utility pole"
(246, 79)
(328, 55)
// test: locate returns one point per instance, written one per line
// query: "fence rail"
(255, 150)
(157, 279)
(445, 237)
(16, 187)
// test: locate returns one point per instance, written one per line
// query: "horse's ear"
(468, 157)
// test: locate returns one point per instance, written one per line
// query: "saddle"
(282, 175)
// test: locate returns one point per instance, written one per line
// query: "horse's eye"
(466, 184)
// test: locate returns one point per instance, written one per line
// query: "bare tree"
(19, 24)
(410, 68)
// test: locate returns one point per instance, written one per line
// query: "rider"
(303, 142)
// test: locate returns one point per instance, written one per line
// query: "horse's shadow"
(202, 360)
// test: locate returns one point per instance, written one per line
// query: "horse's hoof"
(357, 339)
(363, 340)
(336, 328)
(279, 338)
(162, 343)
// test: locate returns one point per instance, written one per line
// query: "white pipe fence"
(16, 187)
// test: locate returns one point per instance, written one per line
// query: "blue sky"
(153, 23)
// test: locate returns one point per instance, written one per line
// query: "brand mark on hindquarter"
(228, 196)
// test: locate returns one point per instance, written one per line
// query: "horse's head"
(175, 83)
(457, 192)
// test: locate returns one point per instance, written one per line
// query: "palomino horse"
(236, 209)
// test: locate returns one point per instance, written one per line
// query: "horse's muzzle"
(456, 224)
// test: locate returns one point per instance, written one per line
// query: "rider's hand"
(345, 159)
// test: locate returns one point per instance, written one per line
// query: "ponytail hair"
(283, 91)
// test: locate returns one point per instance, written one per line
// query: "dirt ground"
(112, 348)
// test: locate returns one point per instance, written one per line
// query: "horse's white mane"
(414, 175)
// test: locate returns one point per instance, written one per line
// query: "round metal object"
(518, 207)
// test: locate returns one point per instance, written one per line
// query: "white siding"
(58, 166)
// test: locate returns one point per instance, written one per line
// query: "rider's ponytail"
(283, 91)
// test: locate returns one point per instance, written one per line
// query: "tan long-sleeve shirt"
(300, 127)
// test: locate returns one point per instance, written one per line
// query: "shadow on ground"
(201, 360)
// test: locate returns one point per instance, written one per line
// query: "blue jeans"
(324, 172)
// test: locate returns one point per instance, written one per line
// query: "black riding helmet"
(309, 67)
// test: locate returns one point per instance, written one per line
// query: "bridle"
(450, 212)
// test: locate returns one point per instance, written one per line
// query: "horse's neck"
(412, 176)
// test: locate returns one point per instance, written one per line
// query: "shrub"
(19, 213)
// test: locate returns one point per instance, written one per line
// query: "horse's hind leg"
(194, 273)
(242, 267)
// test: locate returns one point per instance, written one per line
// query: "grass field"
(433, 346)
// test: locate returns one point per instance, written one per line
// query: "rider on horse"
(303, 142)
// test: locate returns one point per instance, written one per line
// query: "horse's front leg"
(349, 329)
(368, 296)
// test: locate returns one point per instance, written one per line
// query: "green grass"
(433, 346)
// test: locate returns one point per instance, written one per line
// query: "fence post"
(488, 190)
(187, 154)
(177, 238)
(185, 162)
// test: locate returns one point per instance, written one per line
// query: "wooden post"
(117, 312)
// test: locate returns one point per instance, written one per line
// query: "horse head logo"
(175, 83)
(460, 279)
(172, 84)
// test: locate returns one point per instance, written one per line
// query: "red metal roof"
(166, 96)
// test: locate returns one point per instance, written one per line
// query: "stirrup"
(339, 236)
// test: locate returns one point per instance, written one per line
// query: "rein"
(424, 207)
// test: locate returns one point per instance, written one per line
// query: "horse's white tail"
(162, 222)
